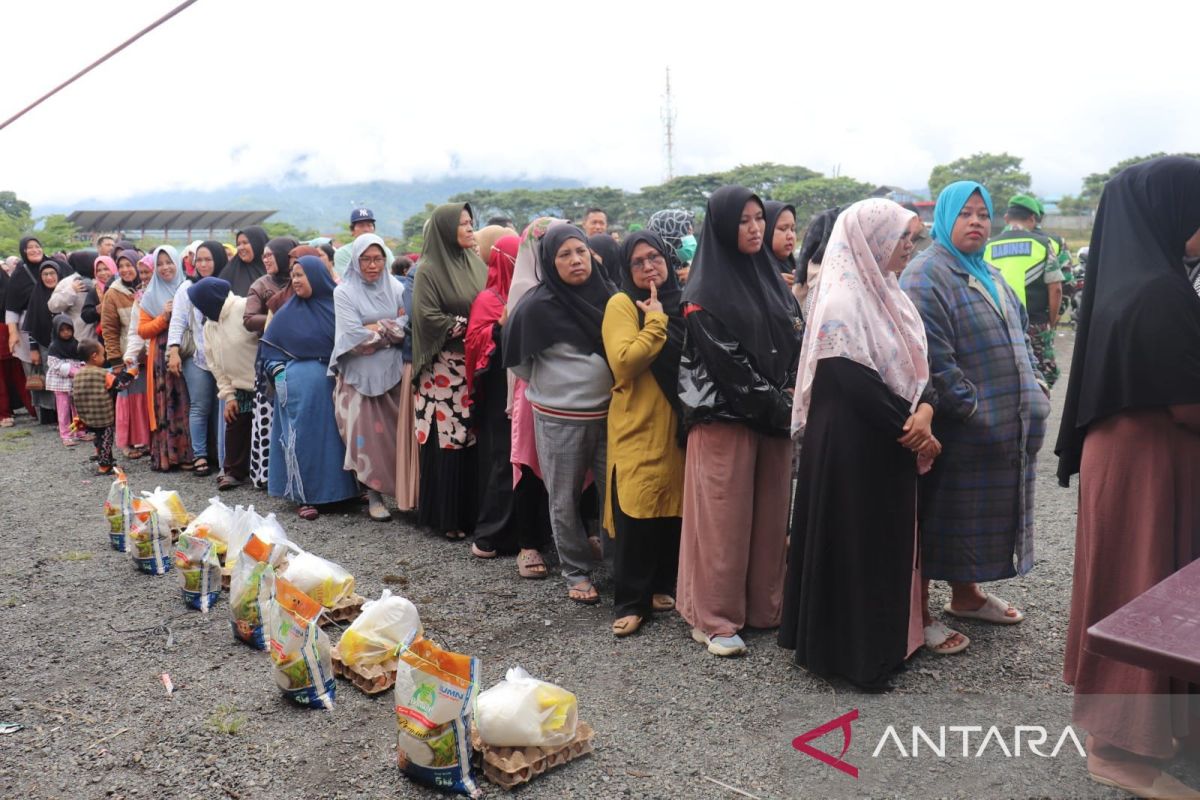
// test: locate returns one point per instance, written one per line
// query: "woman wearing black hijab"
(247, 266)
(643, 338)
(780, 238)
(736, 379)
(606, 250)
(16, 297)
(37, 323)
(812, 252)
(1131, 429)
(554, 342)
(275, 282)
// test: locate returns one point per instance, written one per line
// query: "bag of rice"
(383, 624)
(149, 539)
(251, 586)
(319, 578)
(213, 523)
(199, 570)
(118, 510)
(434, 690)
(300, 649)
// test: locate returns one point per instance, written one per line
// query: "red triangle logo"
(801, 742)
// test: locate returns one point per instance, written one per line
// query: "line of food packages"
(278, 592)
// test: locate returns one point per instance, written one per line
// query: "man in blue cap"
(362, 220)
(1028, 260)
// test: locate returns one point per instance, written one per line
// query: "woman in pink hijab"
(863, 408)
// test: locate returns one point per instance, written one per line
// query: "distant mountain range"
(325, 208)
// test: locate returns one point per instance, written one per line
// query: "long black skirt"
(448, 499)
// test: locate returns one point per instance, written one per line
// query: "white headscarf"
(860, 311)
(356, 304)
(159, 291)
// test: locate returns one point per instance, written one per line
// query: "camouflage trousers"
(1041, 335)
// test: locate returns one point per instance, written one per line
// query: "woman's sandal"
(226, 483)
(993, 610)
(587, 597)
(200, 468)
(937, 634)
(455, 536)
(530, 564)
(309, 513)
(662, 602)
(626, 625)
(134, 453)
(479, 552)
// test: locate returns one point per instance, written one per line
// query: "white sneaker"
(723, 646)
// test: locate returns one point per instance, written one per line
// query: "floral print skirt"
(442, 401)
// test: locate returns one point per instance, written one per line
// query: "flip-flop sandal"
(479, 552)
(307, 513)
(133, 455)
(626, 626)
(455, 536)
(201, 468)
(936, 633)
(586, 597)
(226, 483)
(992, 611)
(1164, 785)
(531, 566)
(662, 602)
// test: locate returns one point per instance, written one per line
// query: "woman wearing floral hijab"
(170, 435)
(448, 280)
(366, 359)
(852, 603)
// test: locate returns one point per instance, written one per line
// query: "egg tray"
(509, 767)
(345, 610)
(370, 680)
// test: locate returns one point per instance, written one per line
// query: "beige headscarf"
(487, 237)
(860, 311)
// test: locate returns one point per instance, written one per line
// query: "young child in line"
(61, 365)
(95, 400)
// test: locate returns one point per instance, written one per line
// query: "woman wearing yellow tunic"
(643, 339)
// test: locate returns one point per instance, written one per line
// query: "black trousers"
(645, 561)
(237, 446)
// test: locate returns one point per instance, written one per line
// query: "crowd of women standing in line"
(514, 381)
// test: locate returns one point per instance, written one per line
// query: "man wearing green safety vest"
(1061, 251)
(1029, 263)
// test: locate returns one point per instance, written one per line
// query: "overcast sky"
(238, 91)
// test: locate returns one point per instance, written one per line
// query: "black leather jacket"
(718, 382)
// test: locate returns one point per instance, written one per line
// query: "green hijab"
(448, 280)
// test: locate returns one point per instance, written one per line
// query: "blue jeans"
(204, 413)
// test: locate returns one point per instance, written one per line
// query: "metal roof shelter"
(165, 220)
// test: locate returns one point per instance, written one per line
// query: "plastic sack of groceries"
(383, 624)
(434, 690)
(245, 522)
(149, 539)
(522, 711)
(118, 510)
(213, 523)
(319, 578)
(251, 586)
(300, 649)
(199, 570)
(170, 508)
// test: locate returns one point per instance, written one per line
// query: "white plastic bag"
(213, 523)
(379, 630)
(300, 649)
(169, 506)
(522, 711)
(149, 539)
(251, 588)
(319, 578)
(245, 520)
(118, 510)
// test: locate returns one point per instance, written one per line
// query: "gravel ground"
(89, 637)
